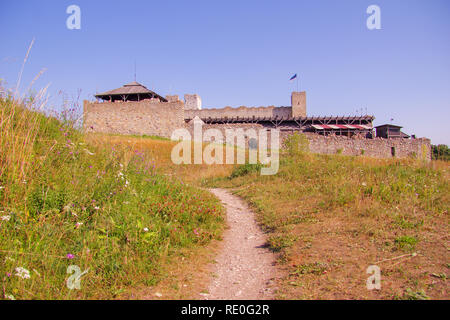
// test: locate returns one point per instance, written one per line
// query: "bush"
(440, 152)
(245, 169)
(296, 144)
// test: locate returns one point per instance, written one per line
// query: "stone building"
(134, 109)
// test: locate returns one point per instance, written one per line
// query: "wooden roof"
(131, 89)
(389, 126)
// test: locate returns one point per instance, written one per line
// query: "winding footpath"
(245, 267)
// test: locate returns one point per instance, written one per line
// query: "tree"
(441, 152)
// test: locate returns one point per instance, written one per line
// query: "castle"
(134, 109)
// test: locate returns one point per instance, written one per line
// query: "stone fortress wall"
(152, 117)
(149, 117)
(332, 144)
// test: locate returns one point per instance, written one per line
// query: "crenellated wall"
(151, 117)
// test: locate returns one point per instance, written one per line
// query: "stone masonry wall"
(162, 118)
(377, 148)
(242, 111)
(143, 117)
(354, 146)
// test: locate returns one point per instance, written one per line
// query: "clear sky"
(243, 53)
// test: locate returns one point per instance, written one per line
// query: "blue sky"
(243, 53)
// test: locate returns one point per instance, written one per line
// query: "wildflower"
(22, 273)
(78, 224)
(5, 218)
(96, 208)
(364, 184)
(10, 297)
(146, 229)
(8, 274)
(70, 256)
(196, 232)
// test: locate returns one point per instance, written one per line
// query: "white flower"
(364, 184)
(22, 272)
(126, 183)
(96, 208)
(146, 229)
(2, 187)
(10, 297)
(5, 218)
(78, 224)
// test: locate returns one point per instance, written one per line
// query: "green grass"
(350, 210)
(65, 202)
(406, 242)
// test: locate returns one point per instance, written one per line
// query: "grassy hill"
(106, 209)
(118, 207)
(332, 216)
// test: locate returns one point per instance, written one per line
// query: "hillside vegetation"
(105, 209)
(118, 207)
(330, 217)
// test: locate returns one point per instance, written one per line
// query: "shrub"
(296, 144)
(245, 169)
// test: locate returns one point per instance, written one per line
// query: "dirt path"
(245, 267)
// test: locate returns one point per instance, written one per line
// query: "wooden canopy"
(133, 91)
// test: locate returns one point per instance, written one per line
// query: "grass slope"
(106, 209)
(332, 216)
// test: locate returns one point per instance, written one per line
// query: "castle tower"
(192, 102)
(298, 102)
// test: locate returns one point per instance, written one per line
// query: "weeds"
(65, 201)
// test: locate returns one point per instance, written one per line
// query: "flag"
(293, 77)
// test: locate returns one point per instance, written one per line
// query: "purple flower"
(70, 256)
(8, 274)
